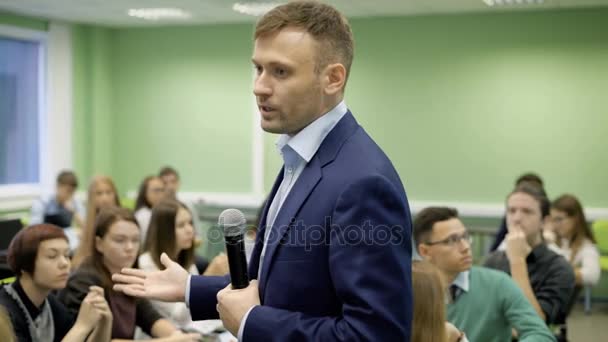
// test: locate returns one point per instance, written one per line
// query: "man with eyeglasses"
(485, 304)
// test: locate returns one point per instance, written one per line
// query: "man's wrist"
(517, 260)
(241, 330)
(518, 267)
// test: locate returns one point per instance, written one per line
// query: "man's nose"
(261, 86)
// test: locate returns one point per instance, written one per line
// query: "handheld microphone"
(232, 222)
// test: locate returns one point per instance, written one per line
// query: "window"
(21, 94)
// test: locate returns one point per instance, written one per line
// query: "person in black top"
(545, 277)
(39, 255)
(116, 245)
(528, 178)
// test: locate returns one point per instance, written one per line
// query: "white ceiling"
(113, 12)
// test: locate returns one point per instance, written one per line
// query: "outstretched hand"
(168, 285)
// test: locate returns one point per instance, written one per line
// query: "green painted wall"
(23, 22)
(182, 96)
(93, 114)
(463, 104)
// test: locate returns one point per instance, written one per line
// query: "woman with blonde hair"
(102, 193)
(429, 324)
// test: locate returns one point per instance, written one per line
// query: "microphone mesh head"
(232, 221)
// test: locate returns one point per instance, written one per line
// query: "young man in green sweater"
(485, 304)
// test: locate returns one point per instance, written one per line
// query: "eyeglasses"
(452, 240)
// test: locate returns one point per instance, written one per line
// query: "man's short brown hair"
(426, 219)
(67, 177)
(167, 171)
(323, 22)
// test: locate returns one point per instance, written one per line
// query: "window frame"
(17, 196)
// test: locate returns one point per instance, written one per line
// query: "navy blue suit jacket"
(338, 262)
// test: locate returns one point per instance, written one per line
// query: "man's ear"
(334, 78)
(424, 251)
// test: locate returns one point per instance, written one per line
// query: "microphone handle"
(237, 262)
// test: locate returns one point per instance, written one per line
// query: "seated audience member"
(102, 194)
(61, 208)
(151, 191)
(576, 241)
(6, 328)
(171, 232)
(170, 178)
(115, 246)
(544, 276)
(529, 178)
(485, 304)
(429, 307)
(39, 255)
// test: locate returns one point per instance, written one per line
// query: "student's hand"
(69, 205)
(549, 236)
(89, 314)
(100, 303)
(168, 285)
(518, 248)
(453, 333)
(218, 266)
(232, 305)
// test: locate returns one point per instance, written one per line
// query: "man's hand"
(234, 304)
(518, 248)
(168, 285)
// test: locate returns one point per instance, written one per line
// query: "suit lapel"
(311, 175)
(259, 238)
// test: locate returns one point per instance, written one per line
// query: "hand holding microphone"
(238, 297)
(233, 223)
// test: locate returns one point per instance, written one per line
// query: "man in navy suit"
(332, 260)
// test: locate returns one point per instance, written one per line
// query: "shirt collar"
(306, 142)
(462, 281)
(538, 252)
